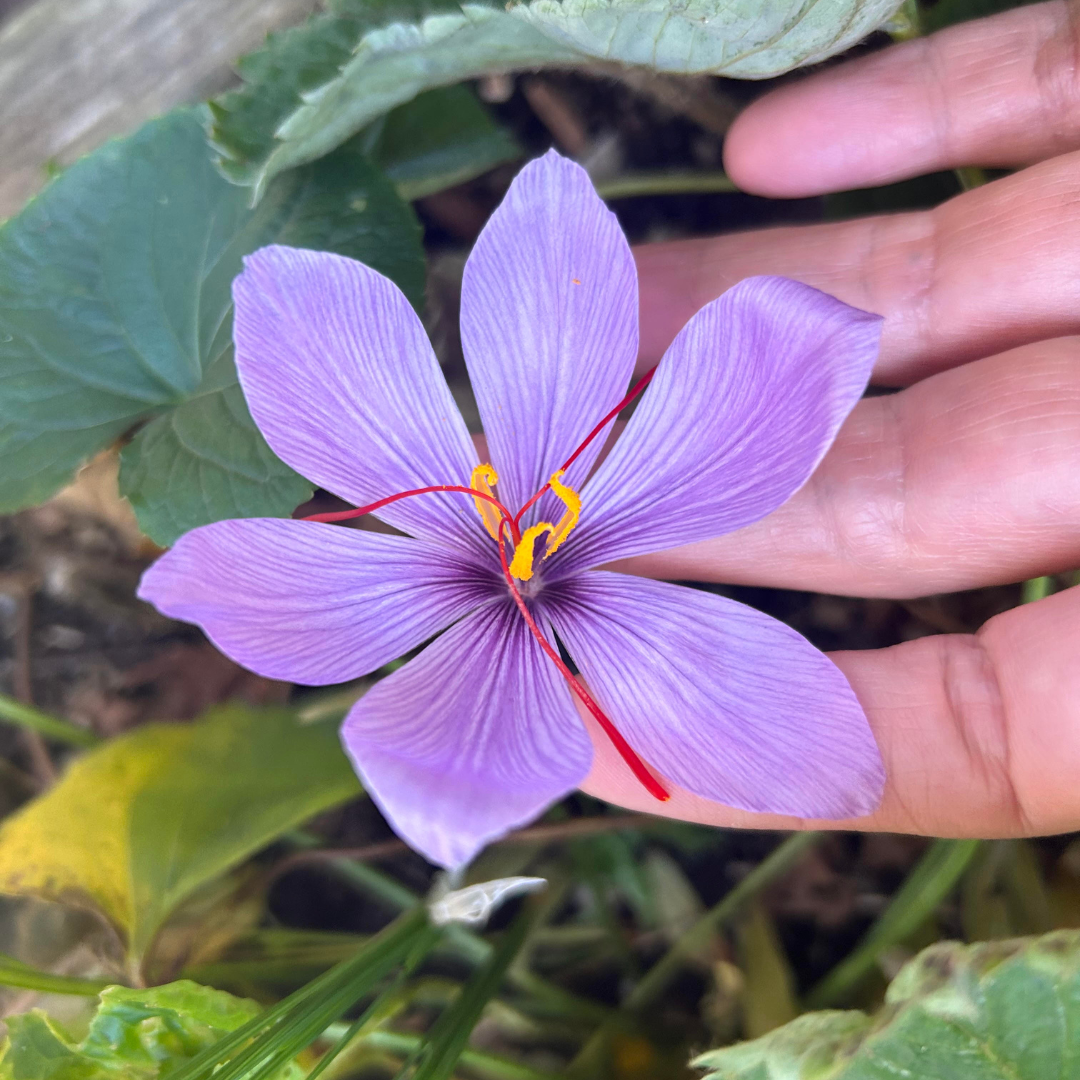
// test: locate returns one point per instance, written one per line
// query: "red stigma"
(625, 750)
(511, 521)
(360, 511)
(631, 394)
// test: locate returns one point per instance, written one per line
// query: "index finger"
(1000, 91)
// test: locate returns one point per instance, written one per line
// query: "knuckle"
(976, 708)
(1056, 74)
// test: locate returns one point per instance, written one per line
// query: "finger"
(988, 270)
(966, 479)
(980, 734)
(1000, 91)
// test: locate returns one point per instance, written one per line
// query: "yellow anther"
(484, 478)
(572, 501)
(522, 565)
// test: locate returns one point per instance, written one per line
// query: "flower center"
(484, 478)
(502, 526)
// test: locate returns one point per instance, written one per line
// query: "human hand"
(970, 475)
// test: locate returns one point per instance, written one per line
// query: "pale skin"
(970, 475)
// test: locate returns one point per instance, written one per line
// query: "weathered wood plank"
(74, 73)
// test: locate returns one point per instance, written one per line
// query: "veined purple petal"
(742, 408)
(313, 603)
(342, 381)
(730, 704)
(549, 312)
(474, 737)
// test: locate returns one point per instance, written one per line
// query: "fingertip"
(801, 140)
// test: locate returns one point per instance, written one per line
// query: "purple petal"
(312, 603)
(473, 738)
(725, 701)
(742, 408)
(342, 381)
(548, 324)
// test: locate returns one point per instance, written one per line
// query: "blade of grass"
(590, 1059)
(440, 1050)
(498, 1068)
(660, 975)
(467, 945)
(306, 1022)
(52, 727)
(384, 1006)
(933, 878)
(15, 973)
(279, 1033)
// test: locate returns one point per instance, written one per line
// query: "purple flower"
(479, 733)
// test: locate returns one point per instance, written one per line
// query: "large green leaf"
(115, 308)
(1006, 1010)
(443, 137)
(135, 1035)
(136, 826)
(394, 57)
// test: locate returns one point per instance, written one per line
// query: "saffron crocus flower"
(479, 732)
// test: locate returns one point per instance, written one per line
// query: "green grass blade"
(444, 1044)
(52, 727)
(660, 975)
(929, 883)
(15, 973)
(487, 1065)
(281, 1032)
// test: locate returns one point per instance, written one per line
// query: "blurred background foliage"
(193, 883)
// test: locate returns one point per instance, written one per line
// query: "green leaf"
(994, 1011)
(441, 138)
(444, 137)
(394, 59)
(136, 826)
(115, 308)
(135, 1035)
(291, 63)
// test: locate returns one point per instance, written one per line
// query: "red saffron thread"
(633, 393)
(360, 511)
(626, 752)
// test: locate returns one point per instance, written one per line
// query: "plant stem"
(656, 980)
(669, 182)
(1036, 588)
(971, 176)
(51, 727)
(929, 883)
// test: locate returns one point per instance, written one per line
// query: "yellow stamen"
(522, 565)
(484, 478)
(572, 501)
